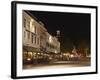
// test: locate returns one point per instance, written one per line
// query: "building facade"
(53, 45)
(36, 39)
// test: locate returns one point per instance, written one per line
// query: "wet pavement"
(58, 64)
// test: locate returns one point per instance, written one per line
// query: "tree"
(84, 47)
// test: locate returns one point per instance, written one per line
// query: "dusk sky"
(73, 26)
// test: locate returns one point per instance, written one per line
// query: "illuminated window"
(29, 54)
(32, 26)
(50, 39)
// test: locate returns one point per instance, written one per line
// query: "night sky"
(73, 26)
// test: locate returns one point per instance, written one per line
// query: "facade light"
(50, 39)
(28, 59)
(55, 51)
(71, 55)
(32, 27)
(38, 53)
(30, 53)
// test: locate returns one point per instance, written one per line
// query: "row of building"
(36, 39)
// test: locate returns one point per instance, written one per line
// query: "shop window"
(25, 55)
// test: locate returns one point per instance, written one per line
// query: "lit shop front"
(35, 56)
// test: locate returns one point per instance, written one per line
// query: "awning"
(31, 49)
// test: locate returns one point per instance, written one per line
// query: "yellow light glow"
(38, 53)
(50, 39)
(55, 51)
(30, 53)
(32, 27)
(28, 59)
(71, 55)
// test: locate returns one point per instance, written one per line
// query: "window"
(25, 54)
(28, 25)
(35, 29)
(24, 22)
(32, 37)
(28, 34)
(24, 34)
(35, 40)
